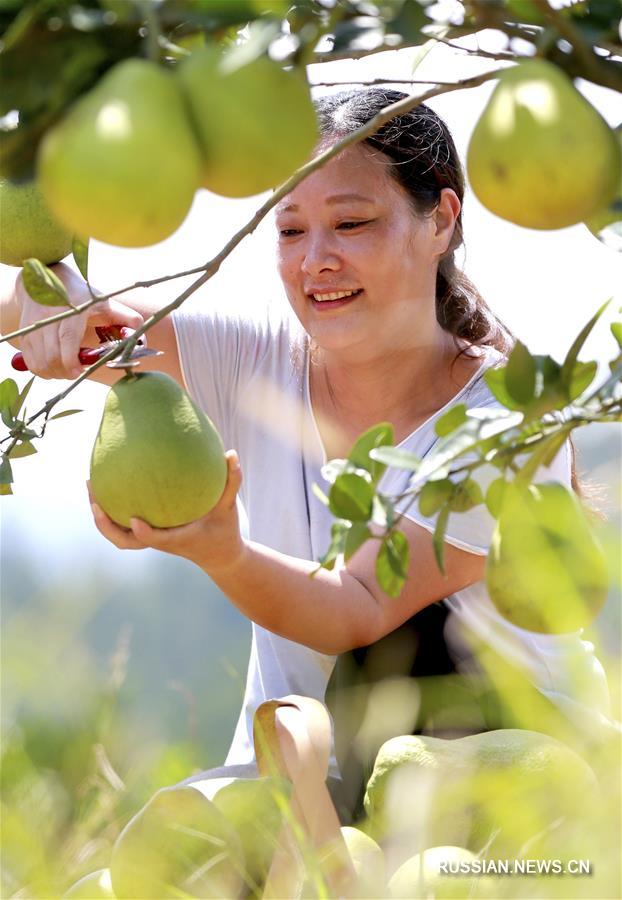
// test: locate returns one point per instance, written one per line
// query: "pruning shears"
(109, 336)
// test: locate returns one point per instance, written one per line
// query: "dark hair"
(424, 161)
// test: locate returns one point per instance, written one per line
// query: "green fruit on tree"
(546, 570)
(156, 456)
(254, 807)
(255, 122)
(445, 873)
(507, 785)
(123, 166)
(540, 155)
(178, 845)
(613, 211)
(93, 886)
(368, 861)
(27, 228)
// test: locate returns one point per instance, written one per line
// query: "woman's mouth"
(333, 299)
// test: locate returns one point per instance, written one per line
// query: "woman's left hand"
(213, 542)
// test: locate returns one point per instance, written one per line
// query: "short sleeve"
(220, 352)
(472, 530)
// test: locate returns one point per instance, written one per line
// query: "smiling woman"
(381, 327)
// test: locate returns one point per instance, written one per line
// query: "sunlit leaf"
(381, 435)
(466, 494)
(9, 397)
(25, 448)
(495, 379)
(520, 374)
(616, 330)
(356, 536)
(16, 407)
(451, 420)
(338, 533)
(397, 458)
(392, 563)
(80, 251)
(568, 366)
(583, 375)
(43, 285)
(6, 473)
(351, 495)
(65, 412)
(438, 538)
(494, 496)
(433, 495)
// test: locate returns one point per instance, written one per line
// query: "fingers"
(120, 537)
(234, 481)
(111, 312)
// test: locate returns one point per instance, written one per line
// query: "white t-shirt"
(251, 376)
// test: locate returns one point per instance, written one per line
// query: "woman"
(384, 328)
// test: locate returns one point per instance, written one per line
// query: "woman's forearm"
(331, 612)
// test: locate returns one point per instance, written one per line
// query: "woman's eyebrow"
(330, 201)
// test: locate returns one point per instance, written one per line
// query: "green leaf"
(583, 375)
(333, 468)
(520, 374)
(351, 496)
(494, 496)
(356, 536)
(6, 473)
(65, 412)
(433, 495)
(495, 379)
(392, 563)
(381, 435)
(438, 538)
(409, 21)
(338, 533)
(616, 330)
(15, 408)
(9, 396)
(451, 420)
(319, 493)
(466, 495)
(543, 455)
(43, 285)
(397, 458)
(577, 345)
(80, 251)
(25, 448)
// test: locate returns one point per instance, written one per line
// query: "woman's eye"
(289, 232)
(348, 226)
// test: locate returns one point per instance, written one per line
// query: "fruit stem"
(152, 37)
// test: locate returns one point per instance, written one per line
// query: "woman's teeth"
(337, 295)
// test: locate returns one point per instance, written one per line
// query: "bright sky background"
(545, 285)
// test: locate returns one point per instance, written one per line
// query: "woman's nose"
(319, 255)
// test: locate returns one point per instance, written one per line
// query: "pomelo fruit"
(254, 806)
(613, 212)
(368, 861)
(156, 456)
(541, 155)
(93, 886)
(27, 228)
(123, 165)
(445, 873)
(178, 845)
(506, 787)
(546, 570)
(255, 122)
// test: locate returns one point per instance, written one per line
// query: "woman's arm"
(333, 612)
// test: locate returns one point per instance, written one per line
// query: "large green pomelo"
(541, 155)
(178, 845)
(254, 806)
(546, 570)
(123, 165)
(255, 123)
(27, 228)
(506, 786)
(94, 886)
(156, 456)
(613, 211)
(445, 873)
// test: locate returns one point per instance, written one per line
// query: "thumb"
(234, 479)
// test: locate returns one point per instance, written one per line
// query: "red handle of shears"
(86, 355)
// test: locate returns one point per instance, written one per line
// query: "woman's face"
(356, 263)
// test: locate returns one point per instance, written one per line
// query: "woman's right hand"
(52, 351)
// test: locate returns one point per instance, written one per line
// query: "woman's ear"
(445, 216)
